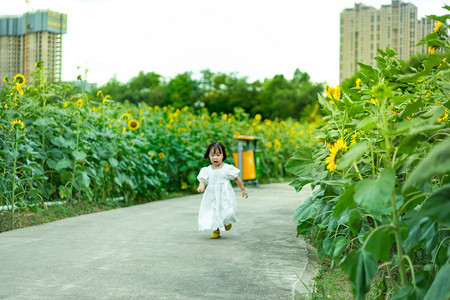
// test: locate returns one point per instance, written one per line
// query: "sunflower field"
(60, 143)
(380, 168)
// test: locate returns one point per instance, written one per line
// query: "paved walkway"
(154, 251)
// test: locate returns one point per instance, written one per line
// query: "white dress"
(218, 207)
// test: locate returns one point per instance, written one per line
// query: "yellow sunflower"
(331, 159)
(106, 98)
(161, 155)
(258, 117)
(358, 82)
(19, 79)
(19, 88)
(80, 102)
(333, 92)
(19, 122)
(133, 124)
(431, 49)
(443, 117)
(437, 25)
(99, 92)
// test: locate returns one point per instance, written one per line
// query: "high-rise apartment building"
(27, 39)
(364, 29)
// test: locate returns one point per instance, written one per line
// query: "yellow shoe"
(227, 227)
(216, 234)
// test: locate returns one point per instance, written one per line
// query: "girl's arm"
(201, 187)
(241, 186)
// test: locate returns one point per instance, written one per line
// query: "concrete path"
(154, 251)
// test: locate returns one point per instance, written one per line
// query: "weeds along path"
(155, 251)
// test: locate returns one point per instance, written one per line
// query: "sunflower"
(331, 159)
(80, 102)
(277, 145)
(443, 117)
(224, 117)
(161, 155)
(66, 104)
(19, 79)
(333, 92)
(269, 145)
(99, 92)
(19, 88)
(133, 124)
(431, 49)
(437, 25)
(19, 122)
(354, 136)
(258, 117)
(358, 82)
(106, 98)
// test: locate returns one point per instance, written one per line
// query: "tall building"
(364, 29)
(27, 39)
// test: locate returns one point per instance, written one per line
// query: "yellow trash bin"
(248, 164)
(244, 158)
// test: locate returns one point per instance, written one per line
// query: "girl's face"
(216, 157)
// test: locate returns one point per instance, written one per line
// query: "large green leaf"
(63, 164)
(440, 288)
(352, 155)
(79, 155)
(437, 206)
(360, 267)
(436, 162)
(301, 163)
(374, 194)
(380, 244)
(367, 124)
(345, 201)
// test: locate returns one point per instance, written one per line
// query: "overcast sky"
(255, 38)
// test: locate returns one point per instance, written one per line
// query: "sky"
(256, 39)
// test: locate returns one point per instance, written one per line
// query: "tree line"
(221, 92)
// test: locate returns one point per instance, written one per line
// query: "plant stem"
(395, 220)
(13, 200)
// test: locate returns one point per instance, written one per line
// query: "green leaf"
(325, 104)
(380, 244)
(65, 176)
(367, 124)
(360, 266)
(83, 179)
(340, 243)
(438, 158)
(63, 164)
(113, 162)
(64, 192)
(301, 163)
(440, 288)
(79, 155)
(354, 221)
(437, 206)
(305, 211)
(345, 201)
(409, 144)
(374, 194)
(352, 155)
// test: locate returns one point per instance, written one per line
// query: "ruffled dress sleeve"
(203, 175)
(232, 172)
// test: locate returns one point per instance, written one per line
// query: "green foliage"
(381, 172)
(221, 93)
(57, 143)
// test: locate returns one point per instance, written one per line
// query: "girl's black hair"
(216, 145)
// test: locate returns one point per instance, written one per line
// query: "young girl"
(218, 208)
